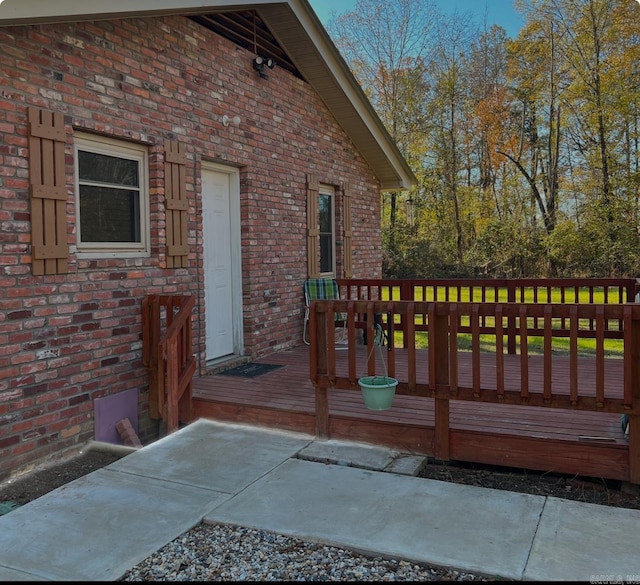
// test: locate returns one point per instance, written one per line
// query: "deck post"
(441, 448)
(634, 419)
(634, 448)
(406, 294)
(439, 360)
(511, 321)
(633, 290)
(318, 338)
(322, 412)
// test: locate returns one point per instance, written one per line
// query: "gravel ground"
(215, 552)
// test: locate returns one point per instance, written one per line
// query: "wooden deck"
(531, 437)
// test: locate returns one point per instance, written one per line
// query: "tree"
(536, 73)
(526, 151)
(592, 32)
(448, 109)
(386, 46)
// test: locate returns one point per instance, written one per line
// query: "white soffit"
(35, 11)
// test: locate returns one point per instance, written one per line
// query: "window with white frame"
(112, 198)
(326, 222)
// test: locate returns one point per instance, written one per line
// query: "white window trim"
(331, 191)
(122, 149)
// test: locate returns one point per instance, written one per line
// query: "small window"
(326, 222)
(111, 198)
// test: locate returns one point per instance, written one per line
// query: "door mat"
(250, 370)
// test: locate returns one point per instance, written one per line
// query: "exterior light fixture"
(259, 64)
(226, 120)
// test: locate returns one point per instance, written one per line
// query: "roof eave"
(325, 70)
(19, 12)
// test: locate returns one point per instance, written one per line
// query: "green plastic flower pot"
(378, 391)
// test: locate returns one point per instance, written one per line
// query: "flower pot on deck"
(378, 391)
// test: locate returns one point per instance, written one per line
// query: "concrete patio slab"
(349, 454)
(214, 455)
(469, 528)
(586, 542)
(99, 525)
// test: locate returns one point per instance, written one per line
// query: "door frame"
(233, 174)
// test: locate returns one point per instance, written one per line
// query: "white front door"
(221, 261)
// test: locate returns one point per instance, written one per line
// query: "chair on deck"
(323, 289)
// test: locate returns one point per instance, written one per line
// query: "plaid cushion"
(323, 289)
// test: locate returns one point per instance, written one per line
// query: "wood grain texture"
(531, 437)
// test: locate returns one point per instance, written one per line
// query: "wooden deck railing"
(167, 351)
(561, 290)
(442, 321)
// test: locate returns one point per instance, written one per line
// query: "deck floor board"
(589, 443)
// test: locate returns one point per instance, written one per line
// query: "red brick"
(97, 304)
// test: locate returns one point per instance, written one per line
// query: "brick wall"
(68, 339)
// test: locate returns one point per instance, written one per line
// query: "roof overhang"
(299, 32)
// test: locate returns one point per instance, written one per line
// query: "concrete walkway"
(98, 526)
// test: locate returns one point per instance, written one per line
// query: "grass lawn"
(586, 347)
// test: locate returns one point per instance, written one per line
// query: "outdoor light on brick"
(259, 64)
(226, 120)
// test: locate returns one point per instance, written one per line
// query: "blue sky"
(499, 12)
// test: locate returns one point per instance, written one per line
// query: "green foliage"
(614, 348)
(535, 345)
(527, 150)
